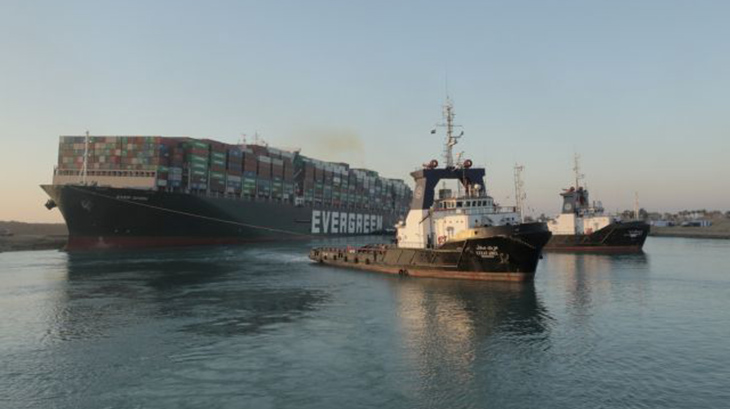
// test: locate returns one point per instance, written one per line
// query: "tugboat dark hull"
(623, 237)
(504, 253)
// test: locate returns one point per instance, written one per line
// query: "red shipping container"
(259, 150)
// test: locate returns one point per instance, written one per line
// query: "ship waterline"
(500, 253)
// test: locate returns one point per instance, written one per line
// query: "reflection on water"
(590, 275)
(260, 326)
(461, 312)
(214, 290)
(453, 329)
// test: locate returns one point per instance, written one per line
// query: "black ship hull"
(504, 253)
(617, 237)
(106, 218)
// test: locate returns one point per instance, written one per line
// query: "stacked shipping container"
(110, 153)
(252, 171)
(250, 166)
(234, 171)
(196, 164)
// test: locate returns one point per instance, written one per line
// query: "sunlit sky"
(639, 88)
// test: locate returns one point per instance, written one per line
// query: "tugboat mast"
(451, 139)
(520, 195)
(576, 169)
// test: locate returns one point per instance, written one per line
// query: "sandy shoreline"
(33, 236)
(679, 232)
(32, 242)
(720, 229)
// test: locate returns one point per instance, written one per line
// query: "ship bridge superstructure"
(453, 216)
(433, 221)
(578, 215)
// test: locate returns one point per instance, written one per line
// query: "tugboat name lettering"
(329, 222)
(487, 251)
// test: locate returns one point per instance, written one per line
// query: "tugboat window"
(458, 204)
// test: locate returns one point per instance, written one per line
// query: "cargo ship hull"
(616, 238)
(106, 218)
(504, 253)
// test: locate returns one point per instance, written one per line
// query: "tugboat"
(583, 226)
(463, 236)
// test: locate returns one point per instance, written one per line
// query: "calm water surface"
(261, 327)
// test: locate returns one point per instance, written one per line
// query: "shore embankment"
(719, 230)
(32, 236)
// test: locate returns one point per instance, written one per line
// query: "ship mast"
(451, 139)
(84, 167)
(576, 169)
(520, 195)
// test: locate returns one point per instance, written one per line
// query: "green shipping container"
(196, 144)
(249, 186)
(201, 166)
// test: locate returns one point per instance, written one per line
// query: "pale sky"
(639, 88)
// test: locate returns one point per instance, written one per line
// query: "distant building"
(697, 223)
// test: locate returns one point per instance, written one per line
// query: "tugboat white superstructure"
(453, 217)
(464, 235)
(583, 226)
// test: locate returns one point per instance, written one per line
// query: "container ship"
(583, 226)
(152, 191)
(462, 235)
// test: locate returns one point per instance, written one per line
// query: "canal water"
(261, 327)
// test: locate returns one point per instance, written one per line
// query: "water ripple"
(260, 326)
